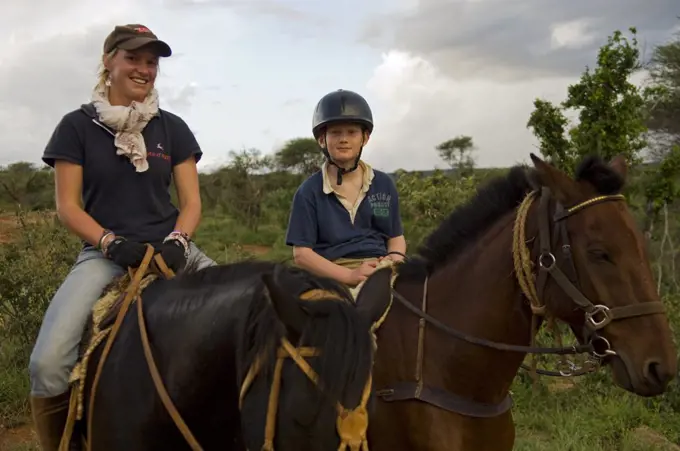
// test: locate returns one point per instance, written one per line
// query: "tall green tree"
(457, 153)
(611, 110)
(300, 155)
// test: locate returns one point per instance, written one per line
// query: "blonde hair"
(103, 72)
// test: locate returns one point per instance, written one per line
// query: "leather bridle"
(597, 316)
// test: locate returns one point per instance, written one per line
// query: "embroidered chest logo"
(159, 154)
(380, 204)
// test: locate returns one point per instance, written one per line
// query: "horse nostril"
(654, 373)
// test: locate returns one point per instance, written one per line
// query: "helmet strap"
(341, 170)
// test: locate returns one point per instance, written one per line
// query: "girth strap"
(404, 390)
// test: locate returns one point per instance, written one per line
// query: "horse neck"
(478, 294)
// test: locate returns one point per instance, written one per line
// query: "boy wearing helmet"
(345, 218)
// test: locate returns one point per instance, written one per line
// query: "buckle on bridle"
(592, 322)
(607, 351)
(547, 260)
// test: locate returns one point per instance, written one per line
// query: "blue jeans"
(56, 350)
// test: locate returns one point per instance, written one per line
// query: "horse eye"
(600, 255)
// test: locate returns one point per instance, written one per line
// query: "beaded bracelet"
(180, 237)
(105, 233)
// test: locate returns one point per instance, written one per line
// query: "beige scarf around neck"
(128, 122)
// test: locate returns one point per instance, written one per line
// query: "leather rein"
(597, 316)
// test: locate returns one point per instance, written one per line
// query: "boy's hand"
(361, 273)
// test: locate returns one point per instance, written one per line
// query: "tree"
(457, 153)
(25, 186)
(238, 188)
(661, 184)
(612, 111)
(300, 155)
(664, 73)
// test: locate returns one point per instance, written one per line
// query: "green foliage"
(235, 189)
(610, 109)
(457, 153)
(426, 201)
(31, 268)
(662, 184)
(664, 71)
(24, 186)
(41, 248)
(301, 156)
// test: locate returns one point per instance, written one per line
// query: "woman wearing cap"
(118, 153)
(345, 218)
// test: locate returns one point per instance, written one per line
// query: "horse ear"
(286, 305)
(374, 297)
(620, 166)
(563, 187)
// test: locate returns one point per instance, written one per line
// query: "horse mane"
(493, 200)
(335, 327)
(470, 220)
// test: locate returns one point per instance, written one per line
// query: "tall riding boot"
(49, 416)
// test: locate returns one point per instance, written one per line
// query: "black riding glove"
(126, 253)
(172, 252)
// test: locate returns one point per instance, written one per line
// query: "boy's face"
(344, 141)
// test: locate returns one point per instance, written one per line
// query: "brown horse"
(462, 320)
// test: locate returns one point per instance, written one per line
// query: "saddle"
(315, 294)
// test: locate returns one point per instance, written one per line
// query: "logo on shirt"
(380, 204)
(159, 154)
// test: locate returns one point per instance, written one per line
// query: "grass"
(589, 415)
(592, 416)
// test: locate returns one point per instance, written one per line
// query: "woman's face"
(133, 74)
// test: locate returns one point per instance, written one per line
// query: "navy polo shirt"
(320, 221)
(136, 205)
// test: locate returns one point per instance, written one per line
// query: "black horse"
(206, 329)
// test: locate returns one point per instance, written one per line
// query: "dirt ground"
(8, 225)
(20, 438)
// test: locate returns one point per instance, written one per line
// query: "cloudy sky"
(248, 73)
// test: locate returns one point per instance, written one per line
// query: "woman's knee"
(49, 371)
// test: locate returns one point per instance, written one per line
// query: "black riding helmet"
(341, 106)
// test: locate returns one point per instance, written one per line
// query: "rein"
(132, 293)
(597, 316)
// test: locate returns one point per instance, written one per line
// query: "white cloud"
(417, 107)
(572, 34)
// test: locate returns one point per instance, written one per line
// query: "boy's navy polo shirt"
(320, 221)
(136, 205)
